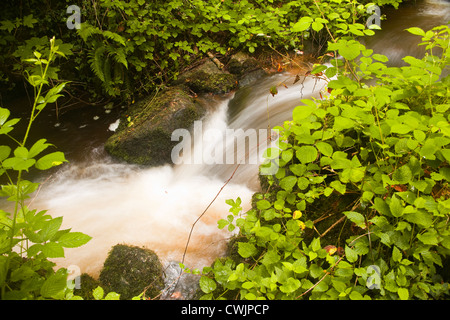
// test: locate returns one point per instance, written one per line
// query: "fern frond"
(118, 73)
(114, 36)
(86, 30)
(107, 74)
(118, 55)
(96, 61)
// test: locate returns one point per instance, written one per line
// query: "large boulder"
(144, 135)
(208, 78)
(129, 270)
(246, 68)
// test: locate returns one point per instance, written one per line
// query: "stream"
(156, 207)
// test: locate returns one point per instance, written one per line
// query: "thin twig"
(204, 211)
(333, 225)
(321, 279)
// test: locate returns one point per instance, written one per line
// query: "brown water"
(394, 42)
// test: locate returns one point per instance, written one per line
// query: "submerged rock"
(144, 136)
(129, 270)
(179, 285)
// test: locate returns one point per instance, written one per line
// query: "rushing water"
(156, 207)
(394, 42)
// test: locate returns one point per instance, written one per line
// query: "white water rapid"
(156, 207)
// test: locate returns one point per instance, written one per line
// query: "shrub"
(368, 165)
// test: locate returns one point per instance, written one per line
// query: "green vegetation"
(359, 206)
(376, 153)
(29, 237)
(126, 49)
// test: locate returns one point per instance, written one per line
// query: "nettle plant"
(28, 237)
(359, 208)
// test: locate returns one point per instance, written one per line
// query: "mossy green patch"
(144, 136)
(131, 270)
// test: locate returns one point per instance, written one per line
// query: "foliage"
(376, 151)
(129, 48)
(141, 38)
(28, 237)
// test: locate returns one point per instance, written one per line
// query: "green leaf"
(21, 152)
(298, 169)
(207, 285)
(350, 50)
(317, 68)
(263, 204)
(300, 266)
(290, 286)
(18, 163)
(331, 72)
(222, 223)
(28, 21)
(317, 26)
(302, 112)
(4, 115)
(351, 254)
(248, 285)
(50, 160)
(54, 284)
(356, 217)
(380, 57)
(316, 271)
(5, 151)
(246, 250)
(306, 154)
(419, 135)
(73, 239)
(446, 154)
(396, 254)
(287, 155)
(402, 175)
(112, 296)
(430, 237)
(342, 123)
(416, 31)
(38, 147)
(338, 186)
(396, 207)
(270, 257)
(98, 293)
(50, 228)
(324, 148)
(403, 293)
(287, 183)
(315, 244)
(421, 218)
(53, 250)
(303, 24)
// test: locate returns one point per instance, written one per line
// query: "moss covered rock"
(87, 285)
(208, 78)
(144, 135)
(129, 270)
(245, 67)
